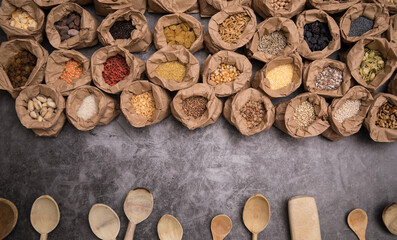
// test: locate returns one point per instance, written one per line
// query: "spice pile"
(233, 27)
(371, 65)
(21, 19)
(121, 29)
(225, 73)
(253, 112)
(280, 4)
(115, 70)
(180, 34)
(144, 104)
(173, 70)
(20, 68)
(272, 43)
(387, 116)
(41, 108)
(72, 71)
(280, 76)
(304, 114)
(349, 109)
(88, 108)
(360, 25)
(317, 35)
(195, 106)
(329, 78)
(68, 26)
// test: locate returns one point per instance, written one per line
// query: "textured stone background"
(193, 175)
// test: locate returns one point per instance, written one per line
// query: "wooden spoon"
(44, 215)
(169, 228)
(221, 226)
(104, 222)
(389, 217)
(8, 217)
(256, 214)
(358, 221)
(137, 206)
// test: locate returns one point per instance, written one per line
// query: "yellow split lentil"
(173, 70)
(144, 104)
(280, 76)
(225, 73)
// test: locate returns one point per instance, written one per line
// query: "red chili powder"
(115, 70)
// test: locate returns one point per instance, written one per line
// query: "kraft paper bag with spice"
(160, 40)
(211, 64)
(173, 6)
(234, 104)
(52, 3)
(311, 73)
(161, 103)
(87, 36)
(49, 127)
(270, 25)
(392, 30)
(169, 54)
(141, 37)
(105, 7)
(355, 57)
(377, 133)
(390, 5)
(392, 88)
(9, 50)
(373, 11)
(261, 82)
(10, 6)
(285, 120)
(210, 7)
(213, 39)
(332, 7)
(264, 8)
(98, 59)
(310, 16)
(56, 67)
(212, 112)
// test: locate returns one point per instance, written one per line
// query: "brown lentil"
(329, 78)
(144, 104)
(304, 114)
(348, 109)
(41, 108)
(371, 65)
(195, 106)
(233, 27)
(180, 34)
(387, 116)
(272, 43)
(173, 70)
(253, 112)
(18, 71)
(225, 73)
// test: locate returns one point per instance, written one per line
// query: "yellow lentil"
(21, 19)
(173, 70)
(144, 104)
(280, 76)
(225, 73)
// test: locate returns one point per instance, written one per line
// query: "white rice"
(88, 108)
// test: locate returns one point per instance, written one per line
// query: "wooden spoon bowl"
(389, 217)
(169, 228)
(221, 226)
(358, 220)
(256, 214)
(8, 217)
(104, 222)
(44, 215)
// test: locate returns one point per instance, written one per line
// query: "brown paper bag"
(261, 82)
(310, 16)
(265, 10)
(332, 6)
(314, 68)
(392, 30)
(211, 63)
(234, 104)
(356, 54)
(161, 98)
(98, 59)
(105, 7)
(214, 106)
(391, 7)
(370, 10)
(55, 66)
(379, 134)
(52, 3)
(141, 36)
(285, 116)
(11, 48)
(8, 7)
(171, 19)
(49, 128)
(211, 7)
(173, 6)
(174, 53)
(393, 86)
(213, 40)
(88, 27)
(331, 135)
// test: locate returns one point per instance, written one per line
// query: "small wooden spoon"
(104, 222)
(358, 221)
(389, 217)
(169, 228)
(221, 226)
(8, 217)
(256, 214)
(137, 207)
(44, 215)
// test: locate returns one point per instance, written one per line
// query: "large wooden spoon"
(104, 222)
(389, 217)
(358, 221)
(44, 215)
(169, 228)
(8, 217)
(256, 214)
(137, 207)
(221, 226)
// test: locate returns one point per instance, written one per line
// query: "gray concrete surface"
(194, 175)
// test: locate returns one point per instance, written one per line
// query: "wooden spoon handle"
(254, 236)
(44, 236)
(129, 235)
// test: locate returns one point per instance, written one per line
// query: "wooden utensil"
(358, 221)
(221, 226)
(303, 218)
(104, 222)
(389, 217)
(8, 217)
(44, 215)
(169, 228)
(256, 214)
(138, 205)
